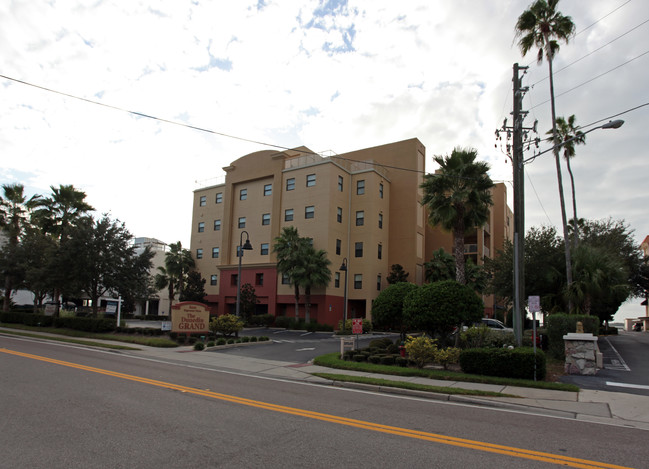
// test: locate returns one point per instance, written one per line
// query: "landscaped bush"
(360, 357)
(503, 362)
(210, 343)
(401, 361)
(264, 320)
(387, 360)
(221, 341)
(199, 346)
(560, 324)
(245, 340)
(253, 339)
(285, 322)
(421, 350)
(447, 356)
(230, 341)
(226, 324)
(374, 359)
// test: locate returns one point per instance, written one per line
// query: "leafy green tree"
(194, 288)
(312, 272)
(226, 324)
(14, 210)
(289, 248)
(178, 263)
(397, 274)
(34, 253)
(570, 136)
(542, 26)
(387, 307)
(136, 281)
(100, 255)
(439, 307)
(248, 301)
(458, 197)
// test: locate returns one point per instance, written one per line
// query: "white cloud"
(333, 76)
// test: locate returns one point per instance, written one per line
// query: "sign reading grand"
(189, 317)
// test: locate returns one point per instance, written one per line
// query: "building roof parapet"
(350, 166)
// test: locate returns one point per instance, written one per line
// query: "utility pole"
(518, 134)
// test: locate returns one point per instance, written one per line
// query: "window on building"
(233, 280)
(288, 214)
(215, 253)
(285, 279)
(380, 220)
(309, 211)
(360, 187)
(268, 189)
(378, 282)
(358, 281)
(202, 202)
(259, 279)
(201, 226)
(213, 279)
(338, 246)
(310, 180)
(264, 249)
(265, 219)
(243, 194)
(219, 197)
(381, 190)
(339, 215)
(242, 222)
(360, 218)
(358, 249)
(340, 183)
(217, 225)
(199, 253)
(337, 280)
(380, 253)
(290, 184)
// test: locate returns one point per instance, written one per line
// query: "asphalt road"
(626, 365)
(65, 406)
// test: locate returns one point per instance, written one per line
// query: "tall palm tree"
(543, 26)
(289, 248)
(570, 136)
(458, 197)
(178, 263)
(14, 208)
(312, 272)
(57, 215)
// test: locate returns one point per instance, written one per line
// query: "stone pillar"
(582, 354)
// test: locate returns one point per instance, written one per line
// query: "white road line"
(627, 385)
(621, 360)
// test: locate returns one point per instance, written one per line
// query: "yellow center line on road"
(447, 440)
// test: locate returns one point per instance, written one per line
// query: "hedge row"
(76, 323)
(503, 362)
(560, 324)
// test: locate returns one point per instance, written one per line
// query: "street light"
(343, 268)
(248, 247)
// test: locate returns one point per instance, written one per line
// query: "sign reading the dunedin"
(189, 317)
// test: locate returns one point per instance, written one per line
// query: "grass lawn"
(332, 360)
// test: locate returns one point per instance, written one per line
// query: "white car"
(496, 325)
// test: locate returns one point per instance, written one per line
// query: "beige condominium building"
(361, 207)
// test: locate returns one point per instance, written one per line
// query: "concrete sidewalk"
(628, 410)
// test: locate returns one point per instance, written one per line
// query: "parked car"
(495, 324)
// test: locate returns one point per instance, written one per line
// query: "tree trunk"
(458, 250)
(557, 159)
(575, 231)
(297, 301)
(5, 301)
(307, 304)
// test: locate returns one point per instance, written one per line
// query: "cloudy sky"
(336, 76)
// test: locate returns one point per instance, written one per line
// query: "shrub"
(284, 322)
(421, 350)
(263, 338)
(210, 343)
(387, 359)
(227, 325)
(401, 361)
(199, 346)
(253, 339)
(230, 341)
(504, 362)
(173, 335)
(221, 341)
(265, 320)
(447, 356)
(245, 340)
(374, 359)
(360, 357)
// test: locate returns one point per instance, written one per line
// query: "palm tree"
(57, 215)
(543, 26)
(570, 136)
(458, 197)
(14, 207)
(312, 272)
(289, 248)
(178, 263)
(598, 275)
